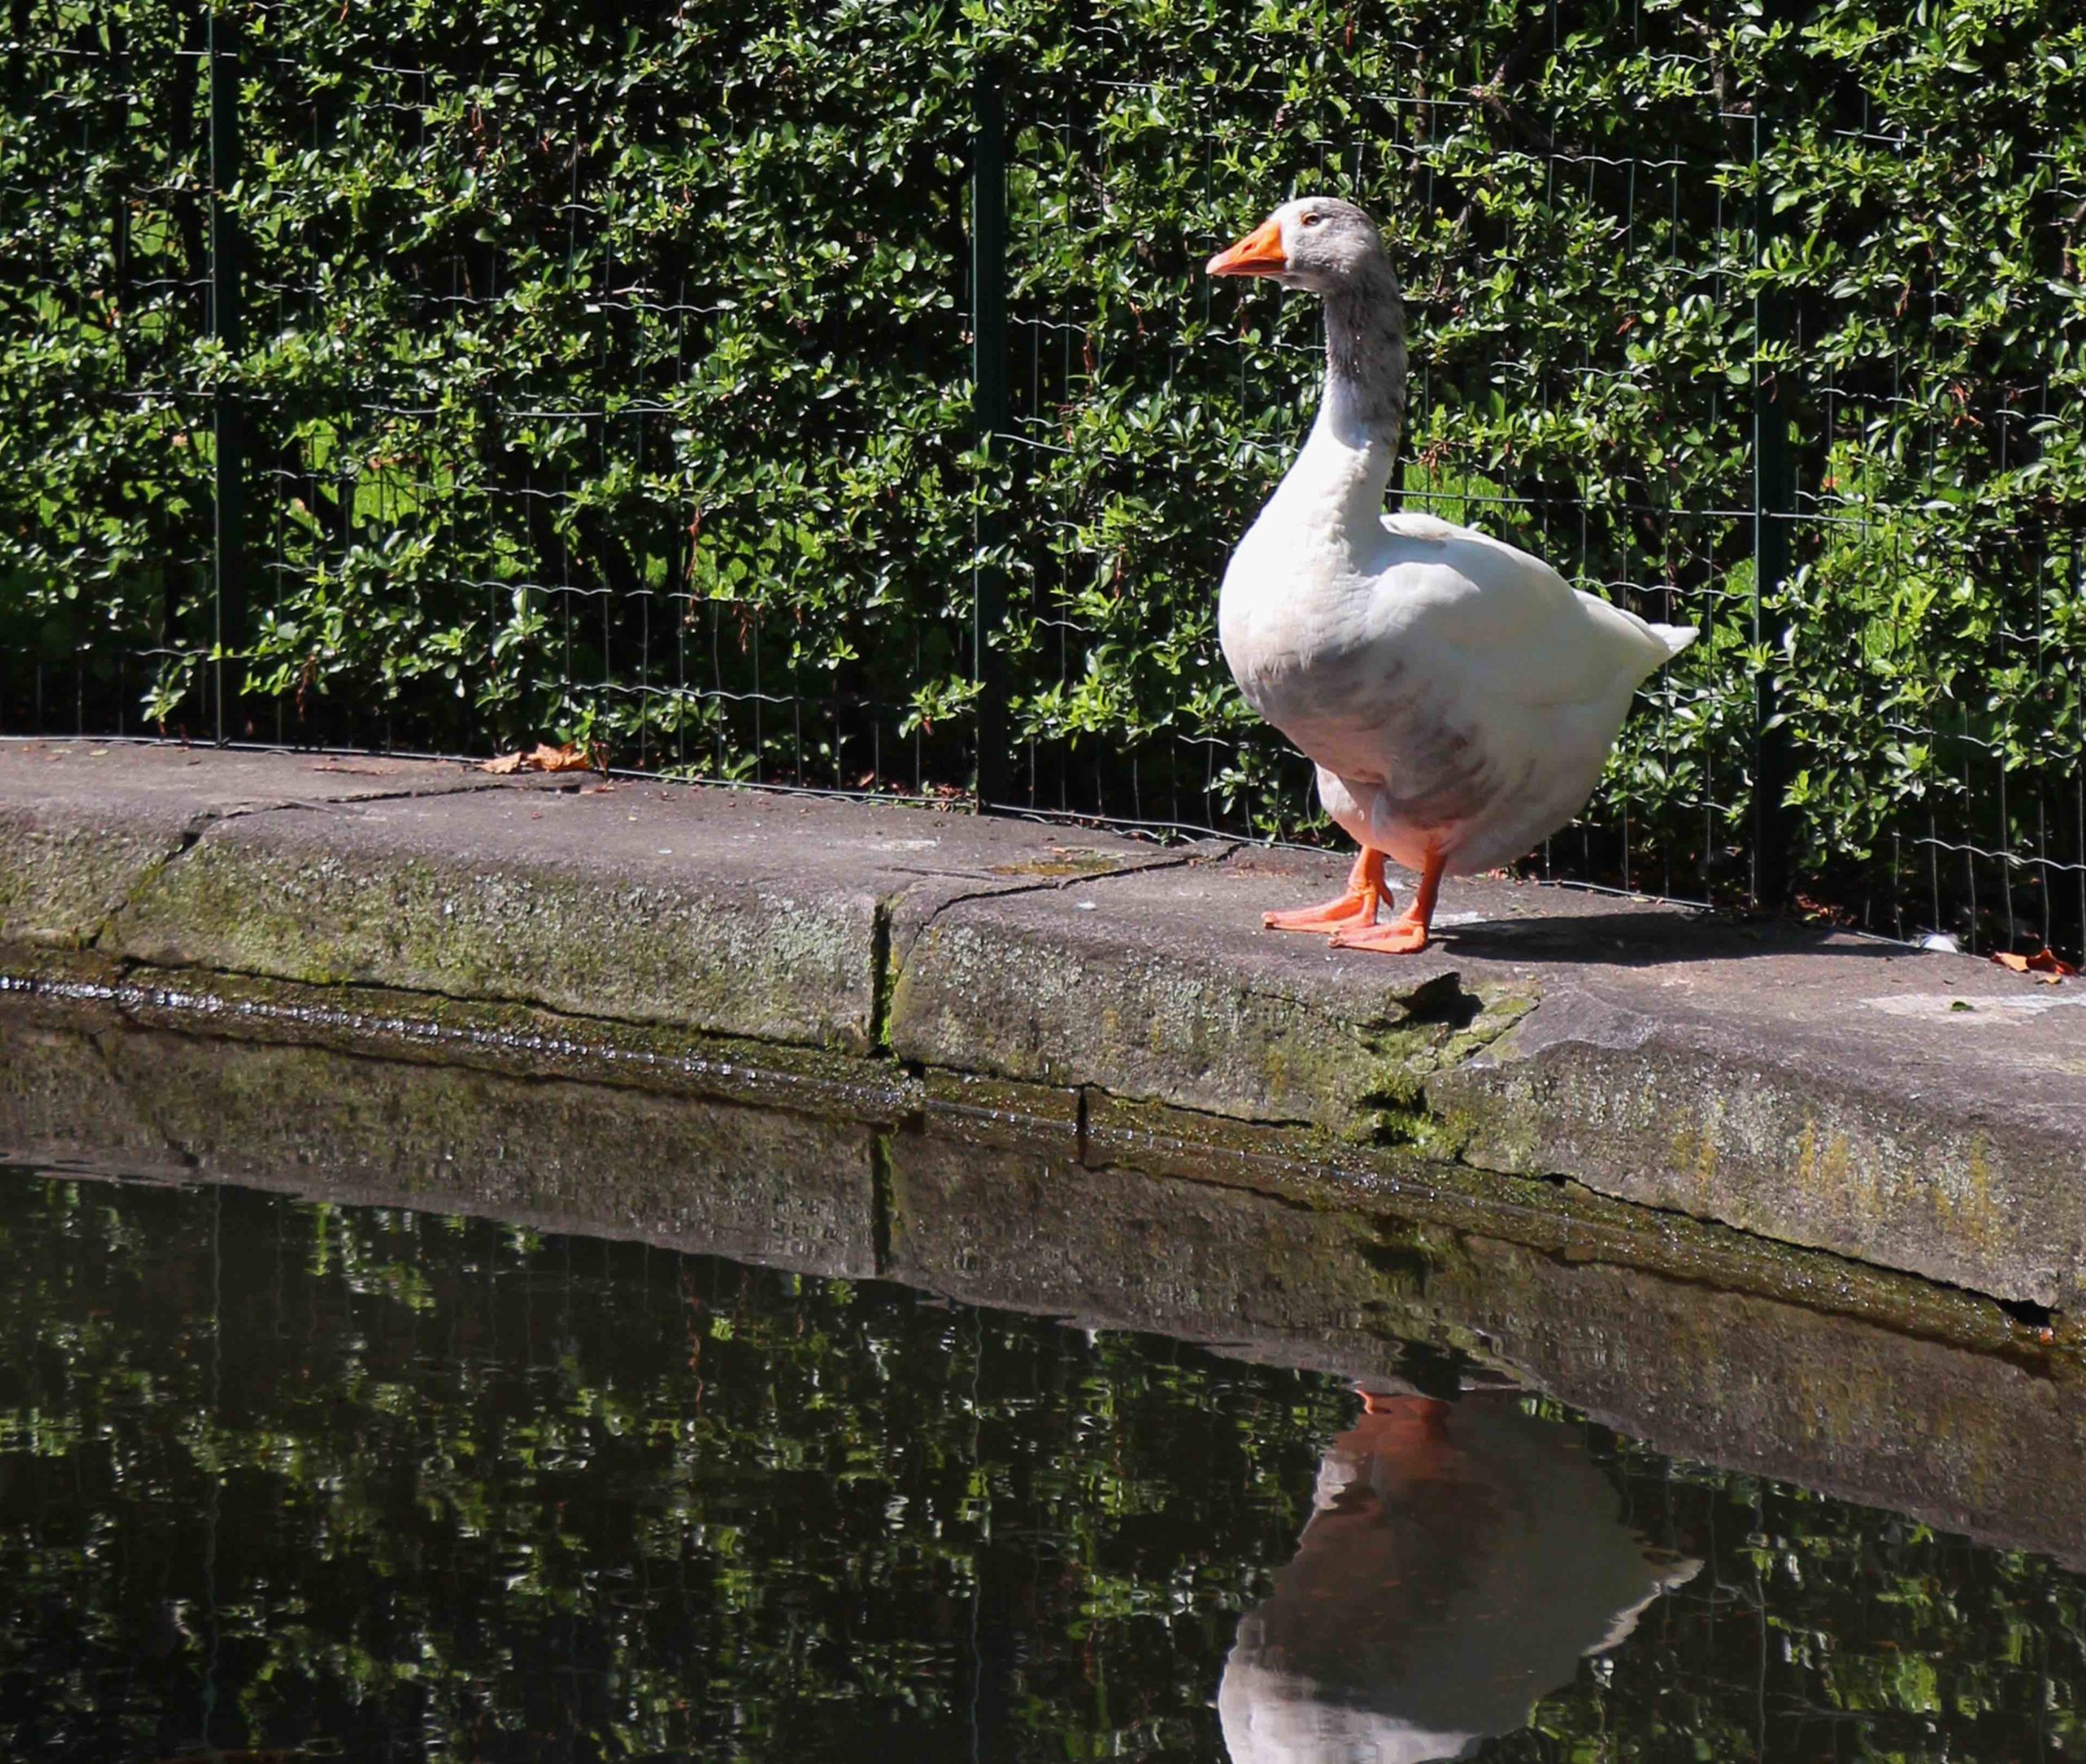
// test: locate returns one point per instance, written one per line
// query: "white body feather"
(1458, 694)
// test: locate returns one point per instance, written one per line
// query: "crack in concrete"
(462, 787)
(191, 836)
(1006, 891)
(203, 821)
(192, 833)
(883, 982)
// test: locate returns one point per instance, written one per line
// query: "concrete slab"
(1923, 1112)
(1168, 992)
(773, 918)
(84, 824)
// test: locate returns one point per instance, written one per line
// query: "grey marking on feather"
(1365, 350)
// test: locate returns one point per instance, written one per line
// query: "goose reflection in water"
(1459, 1562)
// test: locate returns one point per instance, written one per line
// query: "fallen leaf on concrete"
(2043, 965)
(1832, 915)
(542, 758)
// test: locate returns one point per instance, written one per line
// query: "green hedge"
(607, 376)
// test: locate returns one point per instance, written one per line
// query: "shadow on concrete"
(1641, 939)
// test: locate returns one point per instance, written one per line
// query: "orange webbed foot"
(1401, 937)
(1353, 909)
(1356, 909)
(1405, 936)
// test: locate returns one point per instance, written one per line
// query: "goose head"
(1319, 244)
(1322, 245)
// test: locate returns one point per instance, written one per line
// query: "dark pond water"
(312, 1481)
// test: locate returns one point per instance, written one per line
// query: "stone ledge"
(1920, 1112)
(85, 824)
(1923, 1113)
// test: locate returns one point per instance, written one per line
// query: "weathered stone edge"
(1802, 1157)
(1311, 1167)
(1673, 1114)
(1990, 1213)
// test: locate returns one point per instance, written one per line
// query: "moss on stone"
(759, 963)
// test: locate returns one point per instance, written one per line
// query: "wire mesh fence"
(1935, 647)
(824, 401)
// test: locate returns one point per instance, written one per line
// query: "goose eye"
(1313, 220)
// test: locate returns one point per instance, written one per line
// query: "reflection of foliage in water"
(272, 1473)
(475, 1489)
(1824, 1630)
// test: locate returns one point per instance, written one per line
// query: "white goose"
(1459, 696)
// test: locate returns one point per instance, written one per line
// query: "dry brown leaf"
(548, 759)
(2045, 965)
(542, 758)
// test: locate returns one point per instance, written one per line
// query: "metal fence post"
(228, 542)
(1774, 517)
(988, 404)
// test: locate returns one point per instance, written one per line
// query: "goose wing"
(1535, 639)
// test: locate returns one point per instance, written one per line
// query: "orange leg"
(1366, 892)
(1405, 935)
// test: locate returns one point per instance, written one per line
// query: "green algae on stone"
(985, 993)
(760, 963)
(61, 882)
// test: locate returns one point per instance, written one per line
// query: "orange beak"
(1258, 253)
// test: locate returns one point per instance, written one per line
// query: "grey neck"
(1365, 362)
